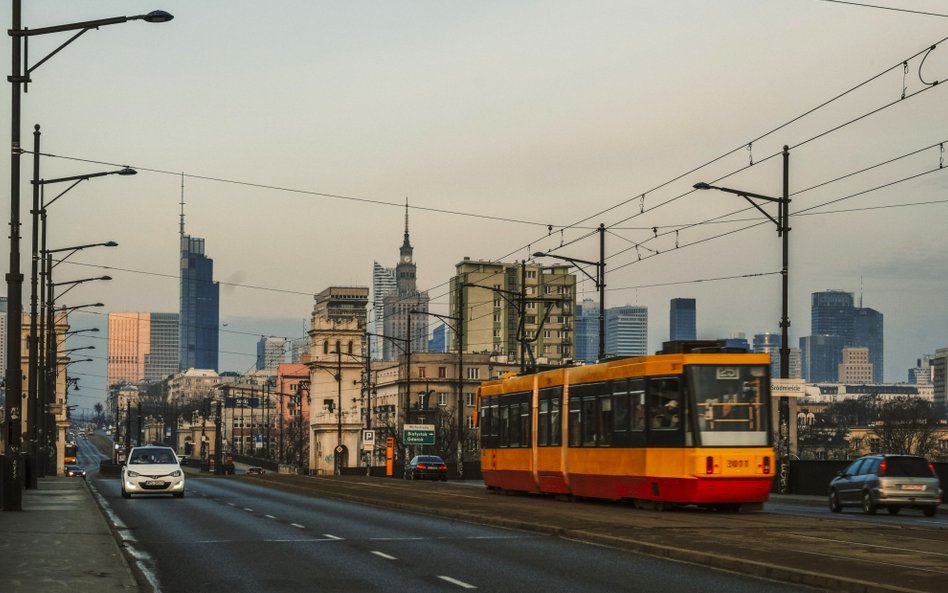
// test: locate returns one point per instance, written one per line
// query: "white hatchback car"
(152, 469)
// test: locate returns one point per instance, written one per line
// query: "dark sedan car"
(426, 466)
(74, 471)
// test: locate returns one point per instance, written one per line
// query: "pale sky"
(524, 114)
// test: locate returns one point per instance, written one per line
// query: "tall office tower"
(271, 352)
(683, 319)
(129, 343)
(769, 343)
(492, 297)
(868, 332)
(439, 339)
(831, 314)
(383, 285)
(587, 331)
(627, 331)
(821, 357)
(855, 368)
(161, 361)
(142, 347)
(399, 324)
(200, 308)
(299, 350)
(922, 373)
(939, 363)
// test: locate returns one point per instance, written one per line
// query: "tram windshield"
(732, 403)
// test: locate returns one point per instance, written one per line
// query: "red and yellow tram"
(688, 425)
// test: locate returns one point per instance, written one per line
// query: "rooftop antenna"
(181, 229)
(860, 292)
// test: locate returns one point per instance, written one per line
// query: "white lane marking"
(383, 555)
(330, 536)
(297, 525)
(457, 582)
(230, 504)
(269, 516)
(248, 510)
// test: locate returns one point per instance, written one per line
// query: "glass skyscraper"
(627, 331)
(683, 318)
(200, 308)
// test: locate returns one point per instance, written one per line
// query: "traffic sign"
(419, 434)
(368, 440)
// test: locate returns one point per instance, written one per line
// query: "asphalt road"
(243, 537)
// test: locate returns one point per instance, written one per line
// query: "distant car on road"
(426, 466)
(74, 471)
(259, 471)
(892, 482)
(152, 469)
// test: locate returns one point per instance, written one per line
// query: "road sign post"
(419, 434)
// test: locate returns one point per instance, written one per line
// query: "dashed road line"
(453, 581)
(269, 516)
(383, 555)
(331, 536)
(297, 525)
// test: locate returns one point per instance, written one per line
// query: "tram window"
(620, 412)
(637, 409)
(588, 421)
(525, 417)
(502, 426)
(543, 423)
(556, 426)
(485, 422)
(514, 432)
(575, 436)
(605, 420)
(664, 404)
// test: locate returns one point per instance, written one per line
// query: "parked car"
(152, 469)
(892, 482)
(74, 471)
(254, 470)
(426, 466)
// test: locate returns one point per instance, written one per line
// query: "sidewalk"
(60, 543)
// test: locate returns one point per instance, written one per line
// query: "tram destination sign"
(419, 434)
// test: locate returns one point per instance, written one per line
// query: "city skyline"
(511, 129)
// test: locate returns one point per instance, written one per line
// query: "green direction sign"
(419, 434)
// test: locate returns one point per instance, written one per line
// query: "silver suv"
(890, 481)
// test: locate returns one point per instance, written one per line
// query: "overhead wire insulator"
(642, 205)
(941, 157)
(750, 152)
(904, 77)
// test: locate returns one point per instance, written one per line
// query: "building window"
(473, 373)
(532, 274)
(442, 372)
(470, 399)
(442, 399)
(421, 372)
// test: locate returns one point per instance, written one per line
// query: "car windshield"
(907, 467)
(152, 456)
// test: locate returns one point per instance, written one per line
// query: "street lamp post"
(36, 358)
(599, 280)
(458, 329)
(783, 231)
(12, 494)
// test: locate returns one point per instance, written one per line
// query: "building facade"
(493, 297)
(199, 308)
(337, 358)
(868, 331)
(129, 343)
(855, 368)
(162, 359)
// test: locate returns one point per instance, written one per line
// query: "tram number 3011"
(738, 463)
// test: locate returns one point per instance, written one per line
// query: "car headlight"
(132, 474)
(176, 473)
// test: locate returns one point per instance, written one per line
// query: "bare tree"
(905, 425)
